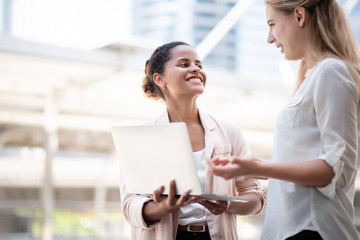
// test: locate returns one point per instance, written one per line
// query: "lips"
(280, 46)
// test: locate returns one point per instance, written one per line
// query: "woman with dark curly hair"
(174, 74)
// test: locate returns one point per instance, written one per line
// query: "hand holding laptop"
(171, 199)
(163, 204)
(169, 202)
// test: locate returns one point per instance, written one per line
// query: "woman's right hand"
(232, 167)
(170, 202)
(162, 205)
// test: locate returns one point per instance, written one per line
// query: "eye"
(183, 64)
(200, 66)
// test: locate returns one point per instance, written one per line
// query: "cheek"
(288, 33)
(204, 76)
(279, 31)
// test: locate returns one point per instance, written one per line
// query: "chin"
(289, 58)
(199, 92)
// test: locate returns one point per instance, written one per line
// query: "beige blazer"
(221, 139)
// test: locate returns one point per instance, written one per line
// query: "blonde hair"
(330, 30)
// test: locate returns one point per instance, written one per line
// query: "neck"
(313, 56)
(310, 60)
(311, 52)
(183, 111)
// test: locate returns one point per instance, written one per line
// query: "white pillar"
(51, 147)
(100, 194)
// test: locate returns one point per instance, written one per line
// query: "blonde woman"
(316, 143)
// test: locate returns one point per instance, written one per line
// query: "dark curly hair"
(156, 65)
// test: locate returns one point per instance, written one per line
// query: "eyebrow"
(185, 59)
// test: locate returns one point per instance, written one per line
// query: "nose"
(271, 38)
(195, 68)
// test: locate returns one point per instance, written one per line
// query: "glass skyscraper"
(186, 20)
(243, 50)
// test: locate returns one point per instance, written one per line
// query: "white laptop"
(151, 156)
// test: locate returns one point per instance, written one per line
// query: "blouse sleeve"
(132, 207)
(336, 101)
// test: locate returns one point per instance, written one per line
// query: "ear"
(300, 15)
(158, 80)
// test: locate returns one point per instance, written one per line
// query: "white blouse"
(194, 213)
(321, 121)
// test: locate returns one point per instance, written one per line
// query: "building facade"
(243, 51)
(187, 20)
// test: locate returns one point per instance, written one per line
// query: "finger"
(222, 162)
(214, 163)
(190, 200)
(157, 194)
(218, 161)
(172, 192)
(183, 198)
(209, 205)
(201, 202)
(222, 205)
(236, 160)
(172, 188)
(199, 199)
(218, 207)
(225, 162)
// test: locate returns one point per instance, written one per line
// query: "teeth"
(194, 80)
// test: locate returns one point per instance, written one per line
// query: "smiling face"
(286, 32)
(183, 74)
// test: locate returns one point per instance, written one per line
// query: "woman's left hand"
(215, 208)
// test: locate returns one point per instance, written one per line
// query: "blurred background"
(71, 69)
